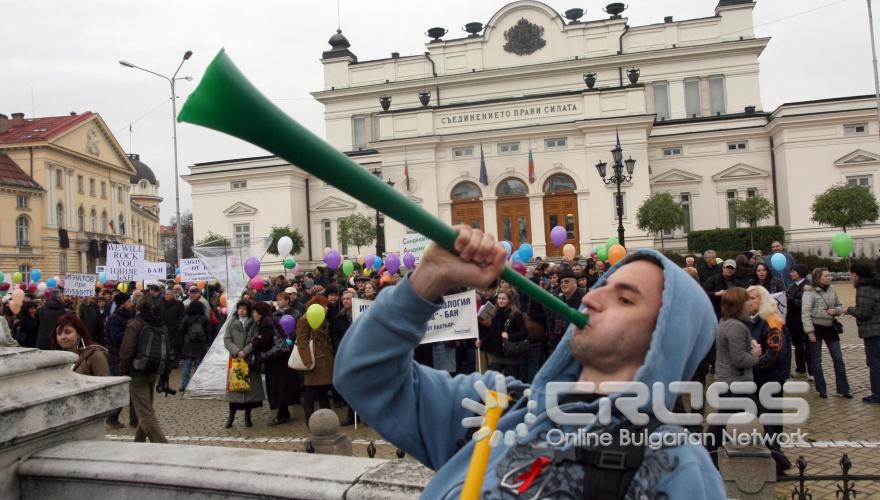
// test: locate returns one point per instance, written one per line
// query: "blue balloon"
(36, 274)
(176, 270)
(525, 251)
(52, 283)
(507, 248)
(778, 262)
(102, 277)
(377, 263)
(516, 257)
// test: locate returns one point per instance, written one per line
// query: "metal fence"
(845, 481)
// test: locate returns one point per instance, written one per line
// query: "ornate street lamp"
(618, 178)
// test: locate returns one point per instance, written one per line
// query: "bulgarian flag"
(531, 167)
(406, 173)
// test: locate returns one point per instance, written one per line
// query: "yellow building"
(71, 195)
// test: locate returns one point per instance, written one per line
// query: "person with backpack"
(145, 356)
(116, 324)
(194, 330)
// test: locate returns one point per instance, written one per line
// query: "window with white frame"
(374, 127)
(508, 148)
(62, 262)
(555, 143)
(22, 231)
(241, 234)
(717, 99)
(91, 187)
(731, 200)
(855, 129)
(859, 180)
(93, 220)
(239, 184)
(684, 201)
(358, 132)
(59, 178)
(103, 189)
(328, 236)
(672, 151)
(661, 100)
(621, 201)
(81, 219)
(692, 103)
(22, 201)
(59, 216)
(737, 147)
(462, 151)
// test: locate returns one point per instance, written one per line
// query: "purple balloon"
(252, 266)
(368, 260)
(558, 235)
(392, 263)
(333, 260)
(288, 323)
(409, 260)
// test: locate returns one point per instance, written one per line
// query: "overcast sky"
(59, 56)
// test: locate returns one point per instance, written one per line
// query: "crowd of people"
(755, 338)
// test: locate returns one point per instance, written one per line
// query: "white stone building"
(693, 121)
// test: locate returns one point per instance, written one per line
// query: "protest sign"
(155, 270)
(194, 270)
(456, 320)
(124, 262)
(80, 285)
(415, 244)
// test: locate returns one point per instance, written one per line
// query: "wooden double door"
(469, 213)
(561, 210)
(514, 223)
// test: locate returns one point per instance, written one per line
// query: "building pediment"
(240, 208)
(332, 203)
(676, 176)
(740, 171)
(859, 158)
(93, 139)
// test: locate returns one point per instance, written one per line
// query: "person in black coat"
(25, 330)
(794, 321)
(172, 312)
(282, 383)
(49, 314)
(194, 330)
(507, 324)
(91, 317)
(717, 284)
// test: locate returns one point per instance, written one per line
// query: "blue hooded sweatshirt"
(419, 409)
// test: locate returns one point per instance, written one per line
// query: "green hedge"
(734, 240)
(835, 265)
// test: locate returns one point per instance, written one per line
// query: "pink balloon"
(256, 282)
(224, 311)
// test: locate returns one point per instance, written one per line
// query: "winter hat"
(121, 298)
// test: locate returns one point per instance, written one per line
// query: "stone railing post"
(746, 465)
(326, 438)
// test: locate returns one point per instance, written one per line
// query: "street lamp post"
(171, 80)
(618, 178)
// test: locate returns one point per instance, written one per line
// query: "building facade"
(682, 98)
(72, 190)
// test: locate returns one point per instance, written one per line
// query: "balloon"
(333, 260)
(602, 253)
(177, 279)
(32, 288)
(285, 245)
(392, 263)
(4, 287)
(224, 310)
(367, 271)
(295, 269)
(377, 263)
(507, 248)
(558, 235)
(1, 277)
(36, 274)
(252, 266)
(777, 262)
(16, 277)
(42, 286)
(568, 251)
(289, 342)
(842, 244)
(525, 252)
(368, 260)
(288, 323)
(16, 300)
(719, 260)
(52, 282)
(347, 268)
(615, 253)
(139, 285)
(223, 299)
(22, 286)
(315, 315)
(409, 260)
(122, 287)
(201, 284)
(610, 242)
(360, 259)
(256, 283)
(289, 263)
(519, 267)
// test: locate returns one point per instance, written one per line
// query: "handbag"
(514, 348)
(295, 361)
(238, 378)
(279, 347)
(836, 325)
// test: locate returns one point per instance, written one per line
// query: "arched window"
(81, 219)
(512, 187)
(143, 184)
(558, 183)
(22, 231)
(93, 220)
(104, 221)
(59, 216)
(466, 191)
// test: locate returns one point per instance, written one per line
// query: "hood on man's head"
(683, 333)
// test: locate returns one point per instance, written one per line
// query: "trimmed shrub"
(734, 240)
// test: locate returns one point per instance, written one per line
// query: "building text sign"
(124, 262)
(521, 112)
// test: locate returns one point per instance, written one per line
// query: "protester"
(338, 327)
(238, 341)
(718, 284)
(709, 267)
(91, 318)
(318, 380)
(785, 274)
(72, 335)
(867, 315)
(819, 313)
(172, 312)
(116, 325)
(369, 291)
(28, 326)
(794, 298)
(628, 338)
(196, 294)
(49, 314)
(765, 279)
(506, 327)
(282, 383)
(572, 296)
(194, 331)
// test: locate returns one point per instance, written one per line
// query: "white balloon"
(42, 286)
(285, 245)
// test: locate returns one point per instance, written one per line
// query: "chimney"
(395, 55)
(4, 123)
(667, 19)
(17, 119)
(750, 110)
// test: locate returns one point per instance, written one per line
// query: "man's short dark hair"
(801, 269)
(331, 290)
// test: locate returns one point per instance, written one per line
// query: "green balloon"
(602, 253)
(347, 268)
(610, 242)
(289, 263)
(1, 277)
(315, 315)
(842, 244)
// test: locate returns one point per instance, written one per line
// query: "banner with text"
(80, 285)
(456, 320)
(194, 270)
(124, 262)
(415, 244)
(155, 271)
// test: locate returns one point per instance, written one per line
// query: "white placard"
(155, 270)
(124, 262)
(415, 244)
(80, 285)
(456, 320)
(194, 270)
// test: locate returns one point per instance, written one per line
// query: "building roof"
(41, 129)
(12, 175)
(143, 171)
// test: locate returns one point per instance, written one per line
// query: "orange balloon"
(200, 284)
(177, 278)
(615, 253)
(223, 300)
(568, 251)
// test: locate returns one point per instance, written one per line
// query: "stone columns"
(583, 204)
(536, 214)
(490, 215)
